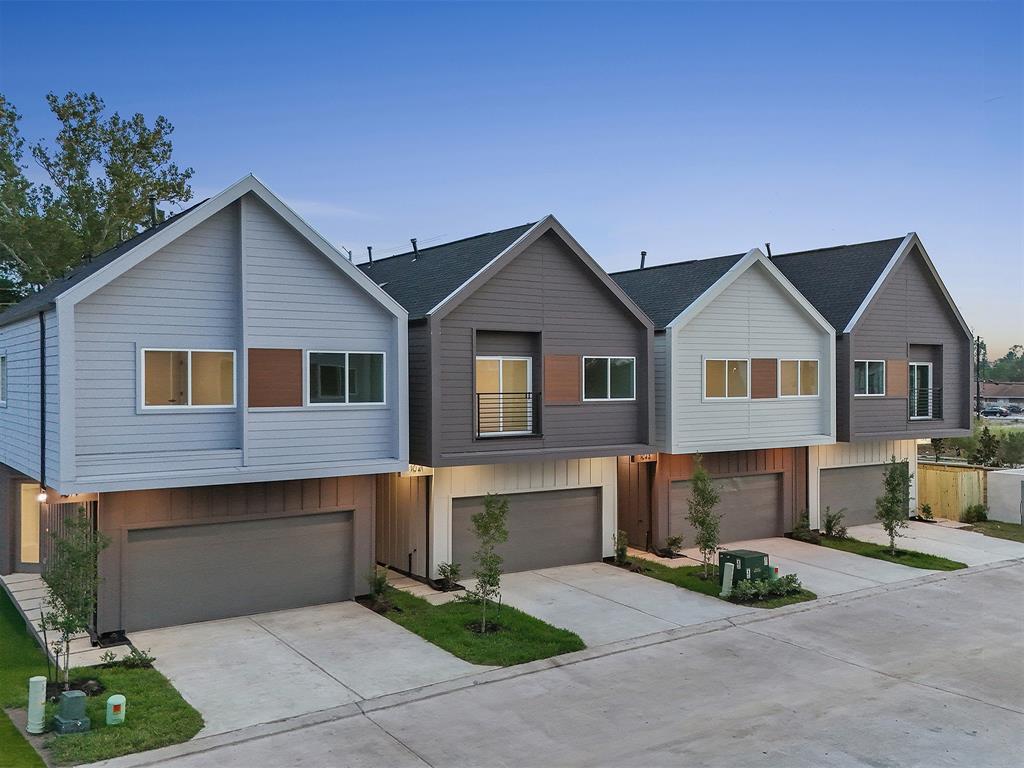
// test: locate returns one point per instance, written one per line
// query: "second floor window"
(609, 378)
(798, 378)
(724, 379)
(188, 378)
(869, 378)
(338, 378)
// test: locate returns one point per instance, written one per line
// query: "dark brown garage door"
(853, 489)
(545, 529)
(181, 574)
(751, 508)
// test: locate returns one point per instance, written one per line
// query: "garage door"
(545, 529)
(751, 508)
(182, 574)
(852, 488)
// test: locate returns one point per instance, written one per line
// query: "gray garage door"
(189, 573)
(852, 488)
(751, 508)
(545, 529)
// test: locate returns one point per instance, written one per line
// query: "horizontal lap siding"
(183, 296)
(909, 310)
(545, 290)
(661, 389)
(296, 298)
(19, 420)
(753, 318)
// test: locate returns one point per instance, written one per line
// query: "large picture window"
(869, 378)
(609, 378)
(341, 378)
(798, 378)
(726, 379)
(188, 378)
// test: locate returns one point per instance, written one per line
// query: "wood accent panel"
(896, 374)
(562, 379)
(764, 379)
(275, 378)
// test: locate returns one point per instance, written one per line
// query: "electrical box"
(747, 563)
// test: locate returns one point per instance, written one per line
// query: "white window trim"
(799, 376)
(866, 379)
(3, 378)
(609, 399)
(931, 380)
(501, 385)
(704, 376)
(188, 385)
(307, 383)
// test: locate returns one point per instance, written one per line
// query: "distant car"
(994, 410)
(1015, 409)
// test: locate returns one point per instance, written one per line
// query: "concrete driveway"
(262, 668)
(604, 604)
(954, 543)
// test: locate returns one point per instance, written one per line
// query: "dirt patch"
(378, 606)
(88, 686)
(492, 628)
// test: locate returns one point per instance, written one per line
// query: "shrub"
(976, 513)
(755, 590)
(448, 574)
(802, 531)
(987, 450)
(1011, 448)
(673, 544)
(926, 512)
(377, 581)
(833, 523)
(134, 659)
(620, 542)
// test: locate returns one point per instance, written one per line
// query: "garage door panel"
(546, 529)
(183, 574)
(852, 489)
(750, 505)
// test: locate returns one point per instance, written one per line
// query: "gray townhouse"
(218, 393)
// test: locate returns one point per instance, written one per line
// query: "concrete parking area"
(262, 668)
(955, 543)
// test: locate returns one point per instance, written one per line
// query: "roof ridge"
(445, 245)
(837, 247)
(678, 263)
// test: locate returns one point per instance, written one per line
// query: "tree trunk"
(483, 616)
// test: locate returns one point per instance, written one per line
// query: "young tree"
(986, 451)
(72, 579)
(101, 170)
(891, 508)
(938, 446)
(702, 516)
(491, 530)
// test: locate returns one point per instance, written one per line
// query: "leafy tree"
(491, 530)
(1009, 367)
(938, 446)
(702, 516)
(986, 451)
(891, 507)
(979, 352)
(1011, 448)
(72, 578)
(100, 172)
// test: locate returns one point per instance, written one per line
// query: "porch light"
(41, 497)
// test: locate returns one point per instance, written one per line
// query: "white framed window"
(345, 378)
(609, 378)
(504, 395)
(921, 400)
(187, 378)
(3, 380)
(869, 378)
(726, 379)
(798, 378)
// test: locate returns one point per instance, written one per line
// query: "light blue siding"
(19, 419)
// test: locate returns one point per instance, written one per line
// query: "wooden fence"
(950, 488)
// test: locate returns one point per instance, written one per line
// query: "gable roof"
(665, 290)
(92, 276)
(420, 283)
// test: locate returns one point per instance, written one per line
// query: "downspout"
(42, 402)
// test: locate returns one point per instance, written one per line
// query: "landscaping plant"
(938, 446)
(926, 512)
(377, 581)
(673, 544)
(891, 507)
(975, 513)
(802, 531)
(448, 575)
(833, 523)
(756, 590)
(71, 579)
(986, 452)
(491, 530)
(702, 516)
(620, 545)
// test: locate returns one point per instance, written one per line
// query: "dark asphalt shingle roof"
(45, 296)
(665, 290)
(421, 284)
(837, 280)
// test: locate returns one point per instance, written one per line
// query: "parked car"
(994, 410)
(1015, 409)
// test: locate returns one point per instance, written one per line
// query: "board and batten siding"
(296, 298)
(910, 309)
(857, 454)
(450, 483)
(546, 290)
(754, 317)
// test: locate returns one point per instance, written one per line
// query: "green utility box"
(748, 565)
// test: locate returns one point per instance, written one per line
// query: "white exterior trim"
(867, 370)
(306, 383)
(141, 406)
(609, 399)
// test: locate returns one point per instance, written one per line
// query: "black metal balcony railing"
(507, 414)
(925, 403)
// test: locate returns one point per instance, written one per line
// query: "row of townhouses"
(254, 420)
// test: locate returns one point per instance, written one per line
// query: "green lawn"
(20, 659)
(521, 638)
(15, 752)
(902, 556)
(1011, 531)
(689, 577)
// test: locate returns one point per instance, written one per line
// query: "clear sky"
(688, 130)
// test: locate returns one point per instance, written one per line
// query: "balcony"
(508, 414)
(924, 404)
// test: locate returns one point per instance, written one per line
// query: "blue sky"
(688, 130)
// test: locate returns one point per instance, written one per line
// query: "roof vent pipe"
(369, 252)
(415, 250)
(643, 258)
(152, 209)
(768, 248)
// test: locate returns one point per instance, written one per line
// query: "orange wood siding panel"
(896, 374)
(275, 378)
(763, 378)
(562, 379)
